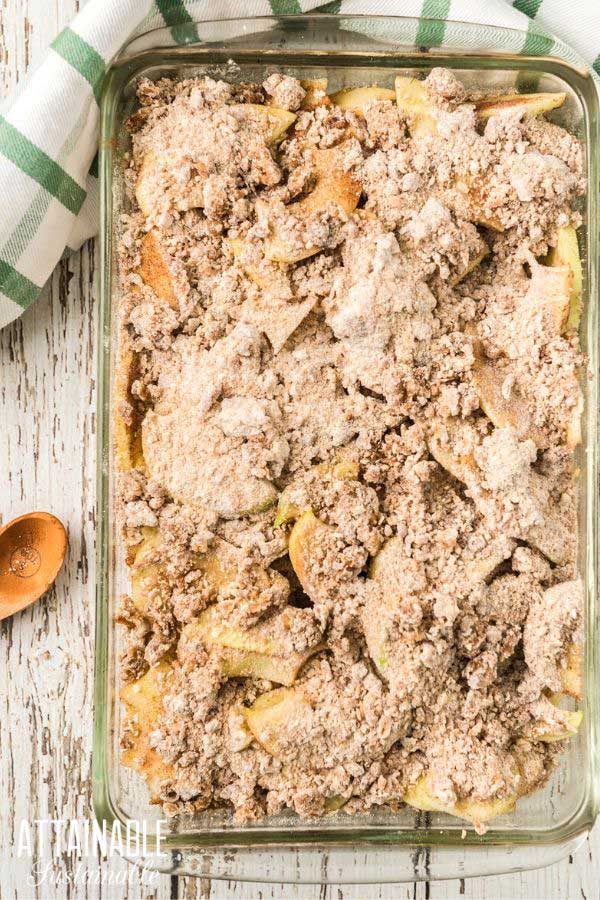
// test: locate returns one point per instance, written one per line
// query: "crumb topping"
(349, 401)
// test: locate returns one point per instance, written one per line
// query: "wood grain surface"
(47, 461)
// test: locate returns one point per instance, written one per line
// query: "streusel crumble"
(347, 408)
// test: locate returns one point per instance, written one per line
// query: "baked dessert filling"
(347, 407)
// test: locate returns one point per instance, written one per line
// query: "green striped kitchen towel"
(49, 132)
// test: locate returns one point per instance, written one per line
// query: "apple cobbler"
(347, 405)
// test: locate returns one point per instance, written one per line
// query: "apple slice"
(306, 537)
(480, 811)
(253, 652)
(264, 638)
(514, 410)
(233, 488)
(145, 188)
(276, 315)
(273, 118)
(239, 735)
(334, 184)
(357, 99)
(155, 268)
(146, 571)
(571, 724)
(413, 100)
(150, 185)
(573, 435)
(261, 271)
(334, 803)
(397, 576)
(275, 312)
(549, 292)
(277, 719)
(571, 675)
(220, 565)
(143, 701)
(247, 664)
(343, 470)
(316, 93)
(474, 191)
(126, 436)
(386, 559)
(566, 253)
(474, 261)
(441, 439)
(531, 104)
(154, 169)
(551, 538)
(479, 568)
(420, 796)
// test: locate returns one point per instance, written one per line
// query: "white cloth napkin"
(49, 132)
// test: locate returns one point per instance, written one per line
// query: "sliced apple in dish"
(333, 184)
(316, 93)
(474, 191)
(263, 638)
(566, 253)
(512, 408)
(474, 261)
(233, 489)
(279, 719)
(145, 187)
(549, 294)
(274, 119)
(345, 469)
(551, 538)
(127, 439)
(384, 563)
(420, 796)
(479, 567)
(220, 565)
(357, 99)
(375, 630)
(239, 735)
(571, 675)
(573, 434)
(143, 701)
(256, 652)
(396, 577)
(277, 315)
(155, 268)
(261, 271)
(275, 311)
(334, 803)
(146, 571)
(531, 104)
(307, 538)
(559, 725)
(442, 442)
(153, 176)
(246, 664)
(413, 100)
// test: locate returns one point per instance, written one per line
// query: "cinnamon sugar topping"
(346, 487)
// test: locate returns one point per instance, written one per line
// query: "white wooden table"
(47, 459)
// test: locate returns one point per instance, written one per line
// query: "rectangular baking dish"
(382, 845)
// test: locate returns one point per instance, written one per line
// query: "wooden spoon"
(32, 549)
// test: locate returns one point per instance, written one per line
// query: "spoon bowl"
(32, 550)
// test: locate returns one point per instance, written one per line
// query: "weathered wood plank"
(47, 457)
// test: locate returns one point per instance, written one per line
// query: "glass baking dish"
(382, 845)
